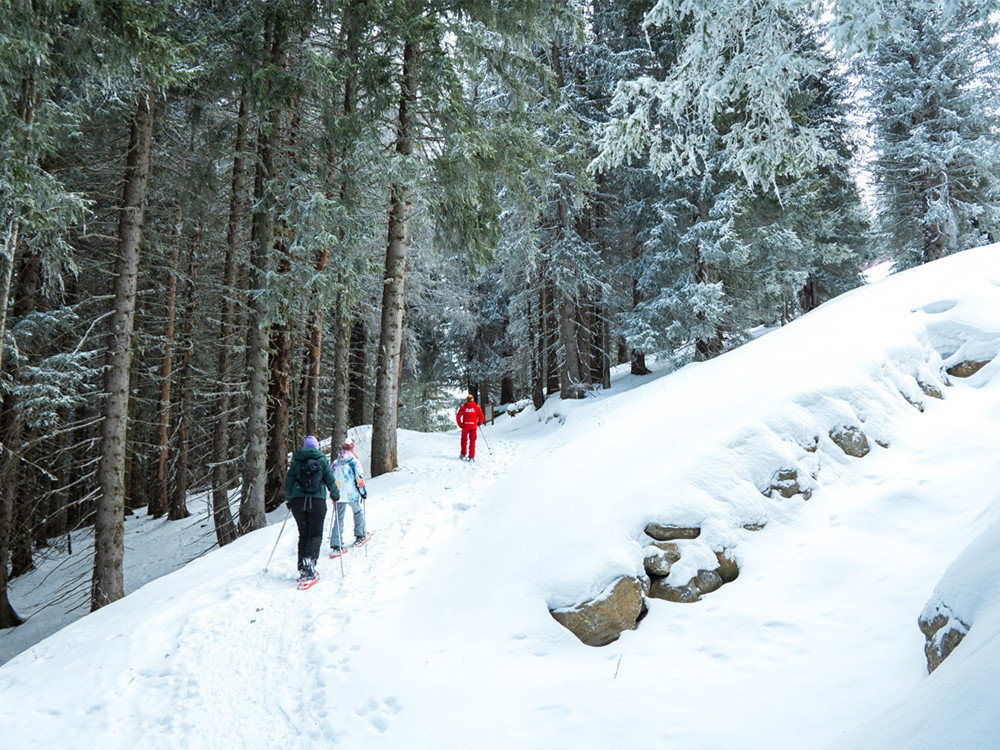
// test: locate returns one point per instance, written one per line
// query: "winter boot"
(307, 571)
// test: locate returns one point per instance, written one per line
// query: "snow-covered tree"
(934, 102)
(729, 248)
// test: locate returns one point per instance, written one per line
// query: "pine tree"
(934, 98)
(152, 54)
(727, 250)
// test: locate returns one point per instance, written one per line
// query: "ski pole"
(485, 441)
(340, 541)
(278, 539)
(364, 518)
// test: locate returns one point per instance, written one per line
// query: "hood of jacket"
(306, 453)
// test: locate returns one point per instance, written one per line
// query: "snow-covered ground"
(438, 635)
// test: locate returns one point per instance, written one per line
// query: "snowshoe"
(336, 552)
(306, 583)
(361, 541)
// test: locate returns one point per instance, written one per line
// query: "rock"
(729, 569)
(602, 620)
(851, 440)
(659, 563)
(786, 483)
(913, 402)
(931, 390)
(662, 533)
(966, 369)
(943, 633)
(755, 526)
(704, 582)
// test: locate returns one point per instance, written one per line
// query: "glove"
(364, 494)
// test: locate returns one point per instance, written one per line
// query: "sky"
(438, 633)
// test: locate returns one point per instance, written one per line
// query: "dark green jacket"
(294, 489)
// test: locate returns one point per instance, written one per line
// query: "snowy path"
(283, 653)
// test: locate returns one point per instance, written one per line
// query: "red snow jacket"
(470, 416)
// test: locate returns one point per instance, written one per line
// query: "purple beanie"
(312, 442)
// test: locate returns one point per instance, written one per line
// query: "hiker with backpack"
(350, 478)
(308, 480)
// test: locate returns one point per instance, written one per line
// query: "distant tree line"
(227, 225)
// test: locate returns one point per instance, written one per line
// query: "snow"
(438, 633)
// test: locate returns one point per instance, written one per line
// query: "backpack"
(311, 476)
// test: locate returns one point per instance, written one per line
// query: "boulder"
(943, 633)
(931, 390)
(729, 569)
(851, 440)
(704, 582)
(966, 369)
(667, 533)
(786, 483)
(659, 562)
(601, 621)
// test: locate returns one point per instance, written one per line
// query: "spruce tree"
(933, 98)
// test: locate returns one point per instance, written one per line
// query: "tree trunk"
(706, 348)
(357, 371)
(384, 457)
(107, 584)
(283, 333)
(22, 494)
(571, 373)
(8, 617)
(342, 307)
(225, 530)
(160, 500)
(279, 402)
(586, 345)
(507, 389)
(252, 505)
(602, 349)
(341, 370)
(26, 111)
(639, 363)
(16, 498)
(536, 324)
(314, 361)
(6, 275)
(809, 296)
(25, 500)
(550, 339)
(178, 498)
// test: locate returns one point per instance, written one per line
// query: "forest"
(229, 224)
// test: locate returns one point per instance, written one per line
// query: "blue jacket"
(350, 477)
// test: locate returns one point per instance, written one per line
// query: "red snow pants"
(469, 439)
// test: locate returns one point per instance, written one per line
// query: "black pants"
(309, 513)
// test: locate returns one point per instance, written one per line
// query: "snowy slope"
(440, 635)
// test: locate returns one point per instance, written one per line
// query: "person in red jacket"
(469, 417)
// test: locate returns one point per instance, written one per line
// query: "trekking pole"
(340, 541)
(278, 539)
(364, 519)
(485, 441)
